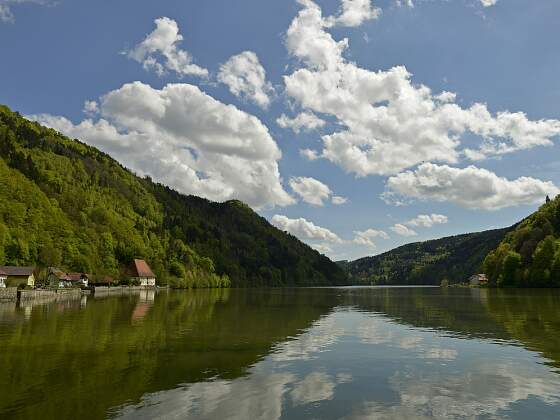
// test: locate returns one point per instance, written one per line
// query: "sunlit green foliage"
(66, 204)
(529, 256)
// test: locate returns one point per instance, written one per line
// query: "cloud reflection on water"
(349, 357)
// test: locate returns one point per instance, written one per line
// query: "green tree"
(510, 272)
(542, 262)
(65, 203)
(177, 269)
(50, 256)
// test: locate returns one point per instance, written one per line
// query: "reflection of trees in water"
(527, 316)
(80, 362)
(531, 317)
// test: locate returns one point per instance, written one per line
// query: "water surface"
(384, 353)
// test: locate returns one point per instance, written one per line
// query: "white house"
(142, 273)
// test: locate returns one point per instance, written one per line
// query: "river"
(324, 353)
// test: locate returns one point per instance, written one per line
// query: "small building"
(59, 278)
(3, 278)
(56, 277)
(18, 276)
(143, 274)
(478, 280)
(78, 279)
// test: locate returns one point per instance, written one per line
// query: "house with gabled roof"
(143, 274)
(18, 276)
(59, 278)
(478, 280)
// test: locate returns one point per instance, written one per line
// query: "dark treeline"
(453, 258)
(67, 204)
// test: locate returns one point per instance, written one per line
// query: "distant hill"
(67, 204)
(529, 255)
(455, 258)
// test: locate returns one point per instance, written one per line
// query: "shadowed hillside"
(455, 258)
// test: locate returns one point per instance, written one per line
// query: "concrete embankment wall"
(12, 294)
(117, 290)
(48, 295)
(8, 293)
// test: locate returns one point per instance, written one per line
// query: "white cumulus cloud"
(309, 154)
(91, 108)
(304, 121)
(353, 13)
(403, 230)
(410, 3)
(401, 3)
(311, 190)
(322, 248)
(246, 78)
(338, 200)
(391, 123)
(427, 220)
(366, 237)
(304, 229)
(6, 13)
(163, 42)
(314, 192)
(186, 139)
(471, 187)
(307, 40)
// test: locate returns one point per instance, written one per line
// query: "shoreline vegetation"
(526, 255)
(66, 204)
(529, 256)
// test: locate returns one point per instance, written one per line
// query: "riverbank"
(12, 294)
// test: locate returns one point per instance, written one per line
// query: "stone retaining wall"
(8, 293)
(117, 289)
(49, 294)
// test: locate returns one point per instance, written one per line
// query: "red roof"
(142, 269)
(3, 273)
(74, 276)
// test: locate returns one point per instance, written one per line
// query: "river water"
(325, 353)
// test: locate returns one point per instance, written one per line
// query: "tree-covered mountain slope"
(67, 204)
(454, 258)
(529, 255)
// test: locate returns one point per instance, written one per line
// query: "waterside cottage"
(58, 278)
(143, 274)
(478, 280)
(17, 276)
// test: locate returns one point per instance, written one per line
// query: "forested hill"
(529, 256)
(454, 258)
(66, 204)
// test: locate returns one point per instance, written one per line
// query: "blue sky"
(194, 98)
